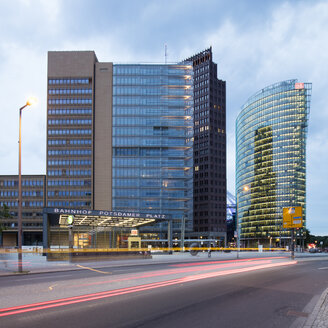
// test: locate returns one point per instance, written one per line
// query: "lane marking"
(87, 268)
(324, 268)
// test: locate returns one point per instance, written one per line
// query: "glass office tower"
(270, 160)
(152, 140)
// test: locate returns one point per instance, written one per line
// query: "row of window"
(151, 90)
(151, 69)
(149, 173)
(150, 162)
(201, 69)
(80, 142)
(72, 101)
(76, 131)
(202, 121)
(156, 152)
(70, 91)
(29, 193)
(148, 111)
(201, 107)
(63, 193)
(69, 152)
(70, 111)
(157, 193)
(149, 183)
(152, 81)
(10, 193)
(72, 142)
(69, 162)
(28, 183)
(151, 101)
(86, 182)
(69, 204)
(149, 131)
(68, 172)
(24, 204)
(200, 84)
(201, 99)
(69, 122)
(201, 92)
(69, 81)
(142, 141)
(152, 121)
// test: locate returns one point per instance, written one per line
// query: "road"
(255, 292)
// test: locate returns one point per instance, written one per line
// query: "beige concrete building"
(79, 129)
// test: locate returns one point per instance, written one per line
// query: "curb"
(319, 306)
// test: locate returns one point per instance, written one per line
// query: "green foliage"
(4, 214)
(312, 239)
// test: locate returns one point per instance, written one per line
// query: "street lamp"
(245, 188)
(30, 101)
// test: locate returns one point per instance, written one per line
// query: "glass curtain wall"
(270, 160)
(152, 140)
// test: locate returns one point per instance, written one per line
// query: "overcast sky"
(255, 43)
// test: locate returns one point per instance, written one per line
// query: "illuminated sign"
(70, 219)
(115, 214)
(299, 85)
(292, 217)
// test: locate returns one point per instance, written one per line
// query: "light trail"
(106, 294)
(229, 261)
(205, 267)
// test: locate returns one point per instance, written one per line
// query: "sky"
(255, 43)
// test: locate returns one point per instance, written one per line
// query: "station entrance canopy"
(90, 221)
(103, 218)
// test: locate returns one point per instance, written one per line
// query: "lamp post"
(245, 188)
(29, 102)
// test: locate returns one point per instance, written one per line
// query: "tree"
(4, 214)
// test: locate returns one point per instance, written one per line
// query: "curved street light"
(30, 101)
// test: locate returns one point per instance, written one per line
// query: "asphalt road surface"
(246, 293)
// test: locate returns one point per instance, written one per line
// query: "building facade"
(33, 201)
(271, 135)
(125, 137)
(210, 182)
(70, 132)
(119, 137)
(152, 131)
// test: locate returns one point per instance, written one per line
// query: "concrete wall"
(102, 182)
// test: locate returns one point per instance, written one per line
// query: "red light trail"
(116, 292)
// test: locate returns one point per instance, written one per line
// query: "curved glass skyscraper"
(270, 160)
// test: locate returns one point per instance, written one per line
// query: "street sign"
(292, 217)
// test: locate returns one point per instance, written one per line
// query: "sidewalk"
(319, 316)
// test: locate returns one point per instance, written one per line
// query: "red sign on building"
(299, 85)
